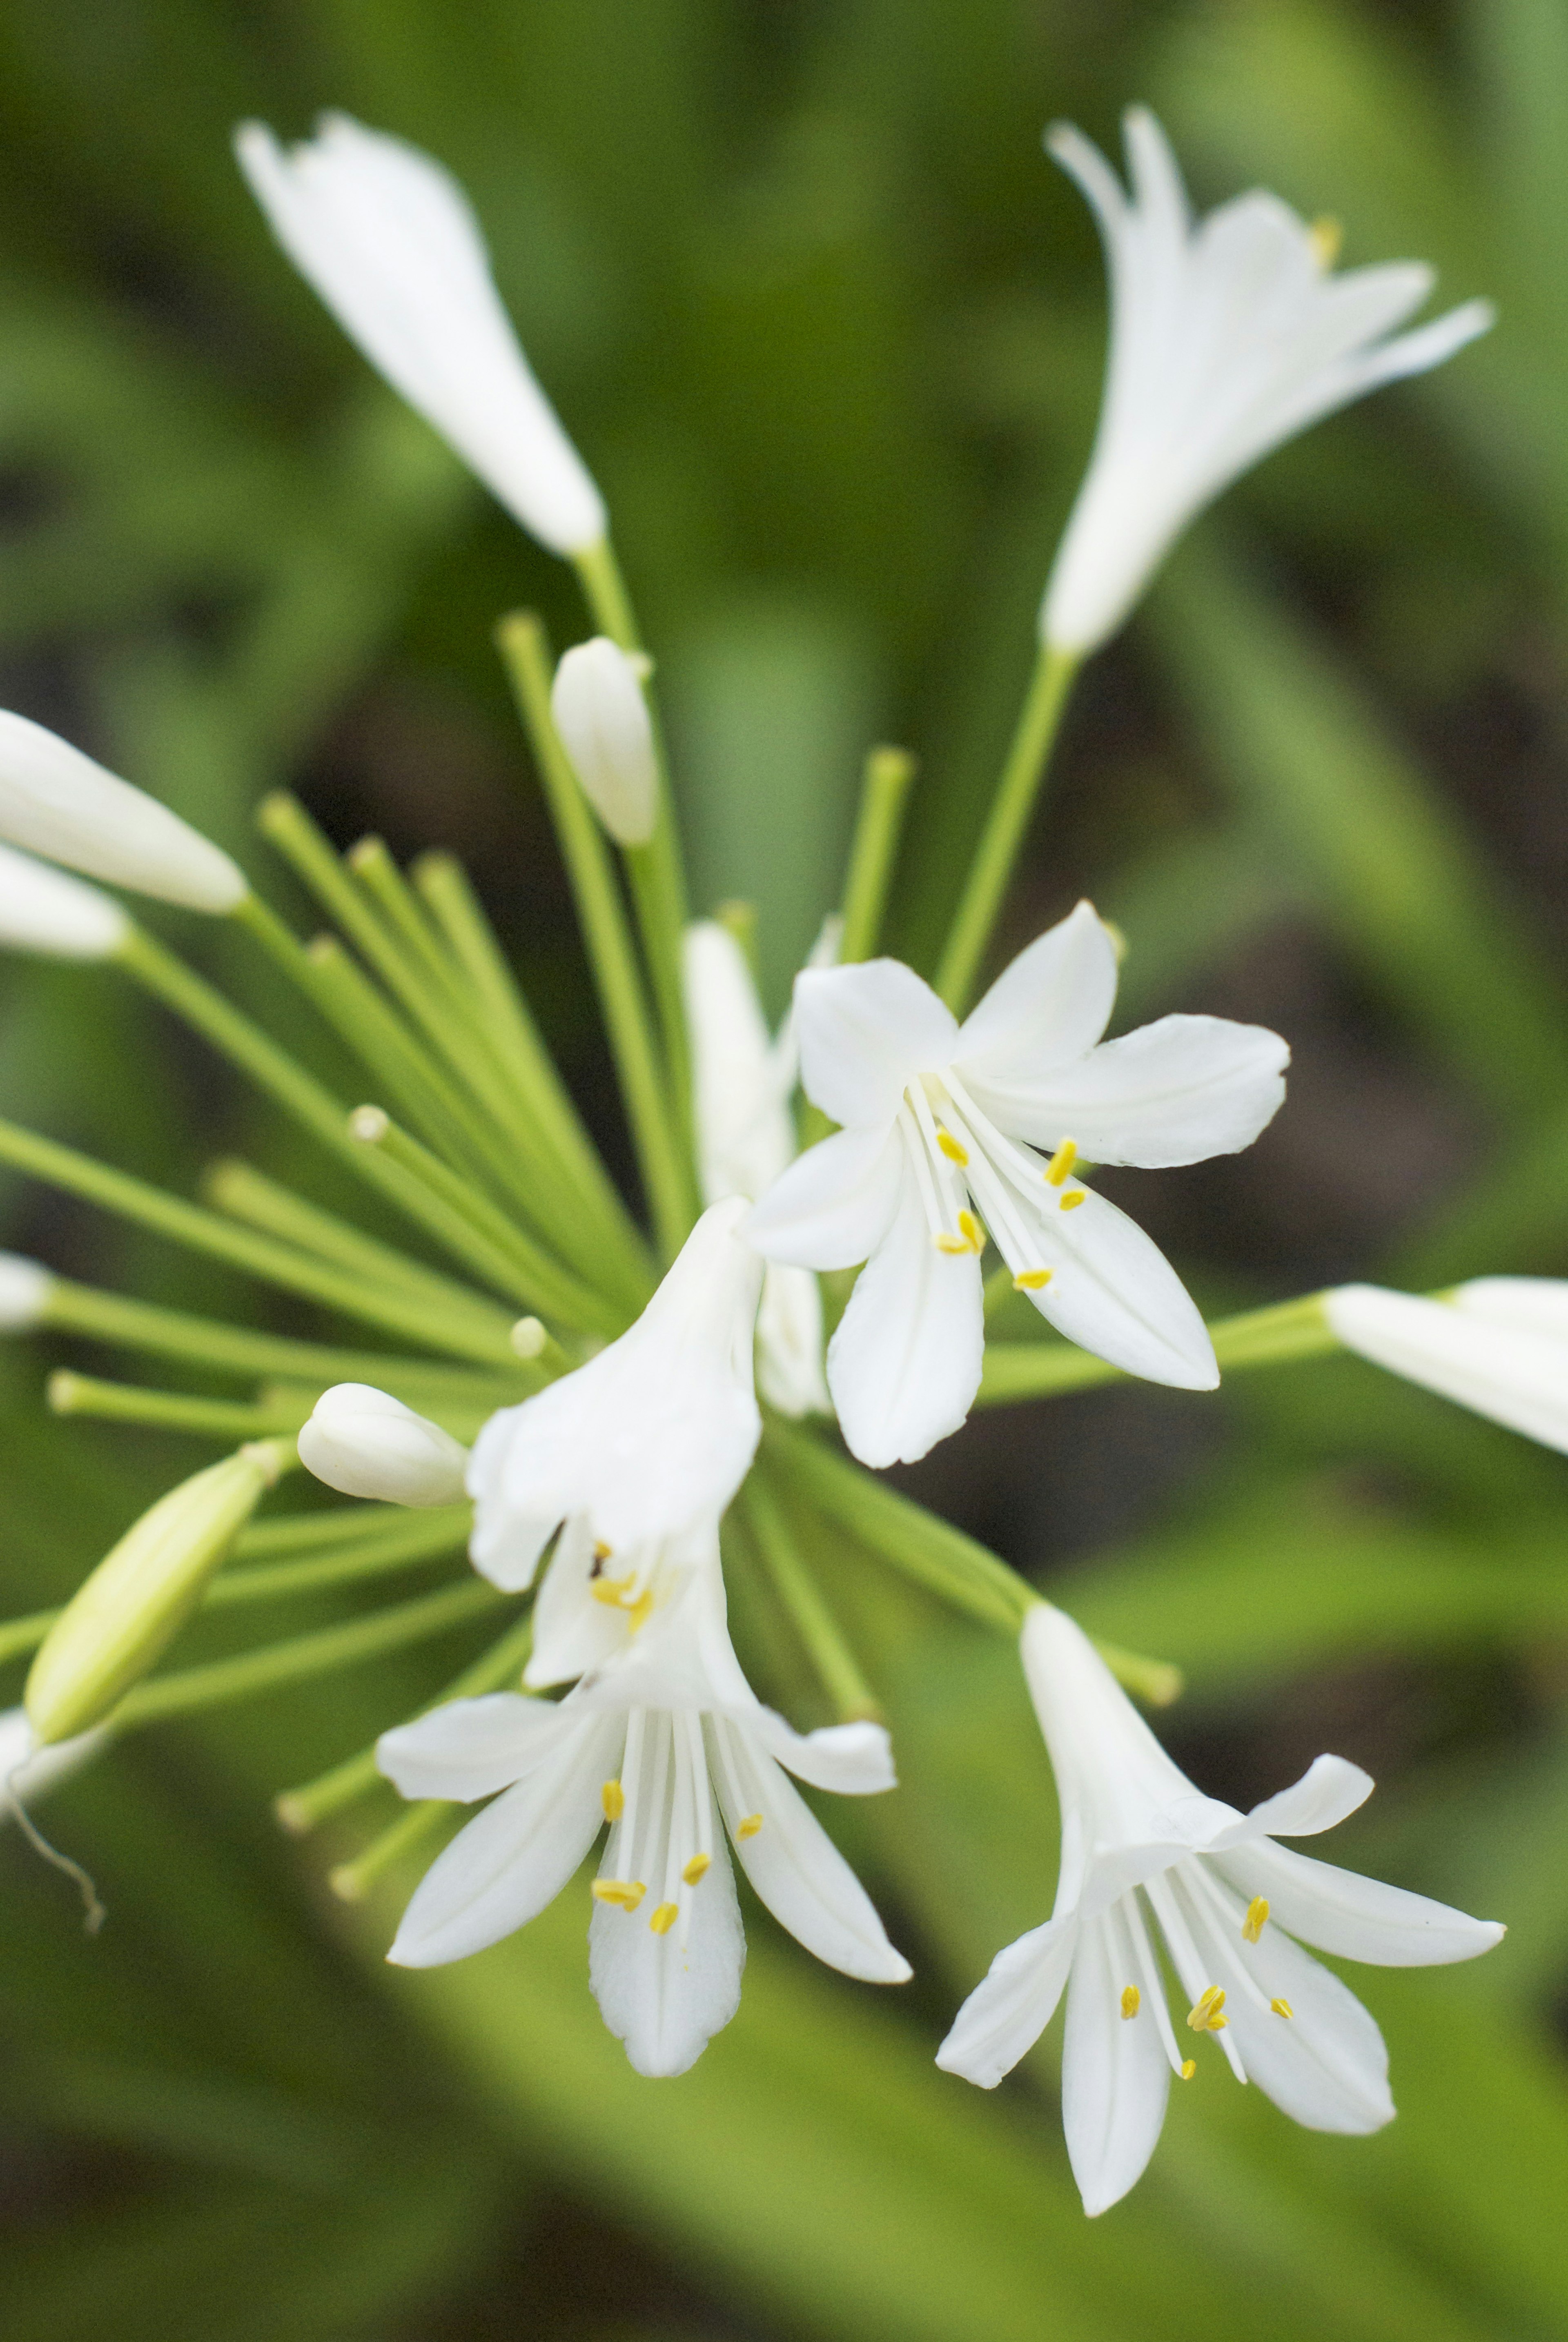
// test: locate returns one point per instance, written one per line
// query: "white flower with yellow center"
(1147, 1860)
(941, 1125)
(1228, 337)
(665, 1741)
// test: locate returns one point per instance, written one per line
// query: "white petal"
(42, 910)
(1353, 1917)
(745, 1136)
(866, 1032)
(389, 241)
(573, 1632)
(789, 1343)
(1113, 1292)
(793, 1864)
(1006, 2014)
(1115, 2077)
(666, 1996)
(1517, 1377)
(515, 1856)
(835, 1204)
(854, 1760)
(905, 1364)
(597, 704)
(1046, 1010)
(1526, 1304)
(58, 803)
(469, 1748)
(1177, 1091)
(364, 1443)
(1329, 1789)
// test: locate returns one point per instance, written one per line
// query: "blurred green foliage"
(828, 329)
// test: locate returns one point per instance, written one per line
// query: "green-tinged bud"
(603, 720)
(136, 1600)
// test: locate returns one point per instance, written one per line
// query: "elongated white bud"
(57, 802)
(24, 1289)
(27, 1770)
(388, 241)
(366, 1442)
(603, 719)
(1500, 1347)
(42, 910)
(140, 1594)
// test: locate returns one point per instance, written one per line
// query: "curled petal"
(469, 1748)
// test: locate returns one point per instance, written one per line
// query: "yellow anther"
(1071, 1201)
(953, 1245)
(1208, 2015)
(972, 1232)
(1253, 1926)
(750, 1827)
(609, 1591)
(1189, 2068)
(1060, 1166)
(1031, 1280)
(664, 1918)
(1325, 235)
(614, 1800)
(637, 1611)
(950, 1148)
(602, 1552)
(697, 1868)
(1131, 2000)
(626, 1894)
(1281, 2008)
(615, 1594)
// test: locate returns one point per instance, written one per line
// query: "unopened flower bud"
(24, 1289)
(57, 801)
(42, 910)
(119, 1622)
(603, 719)
(366, 1442)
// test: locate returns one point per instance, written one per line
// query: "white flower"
(654, 1434)
(602, 716)
(57, 801)
(664, 1731)
(933, 1112)
(387, 239)
(42, 910)
(742, 1084)
(1227, 337)
(26, 1287)
(364, 1443)
(1498, 1344)
(1141, 1844)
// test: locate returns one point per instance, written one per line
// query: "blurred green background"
(828, 328)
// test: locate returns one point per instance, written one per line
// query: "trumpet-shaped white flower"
(1144, 1855)
(600, 712)
(1498, 1345)
(58, 803)
(388, 240)
(940, 1124)
(1227, 337)
(42, 910)
(26, 1287)
(366, 1442)
(654, 1434)
(742, 1083)
(665, 1740)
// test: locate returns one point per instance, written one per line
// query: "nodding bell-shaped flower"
(663, 1740)
(600, 712)
(42, 910)
(1145, 1856)
(1498, 1345)
(58, 803)
(942, 1122)
(742, 1084)
(364, 1443)
(656, 1432)
(1228, 335)
(386, 237)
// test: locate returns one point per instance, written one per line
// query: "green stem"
(605, 591)
(644, 1081)
(303, 1656)
(210, 1418)
(884, 795)
(497, 1669)
(352, 1881)
(1006, 826)
(820, 1636)
(1258, 1338)
(483, 1338)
